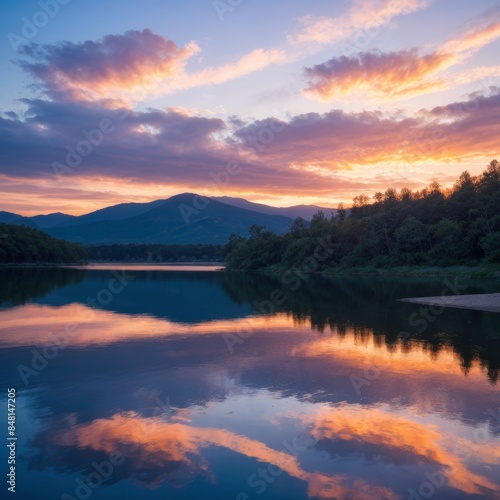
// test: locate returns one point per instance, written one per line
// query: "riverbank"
(92, 264)
(481, 302)
(492, 271)
(488, 271)
(39, 264)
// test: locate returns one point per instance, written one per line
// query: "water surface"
(186, 385)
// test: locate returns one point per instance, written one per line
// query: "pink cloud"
(324, 144)
(335, 155)
(387, 75)
(405, 73)
(92, 70)
(364, 15)
(128, 68)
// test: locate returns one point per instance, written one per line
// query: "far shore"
(26, 265)
(149, 266)
(488, 271)
(150, 263)
(111, 263)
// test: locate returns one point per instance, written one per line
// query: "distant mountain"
(163, 221)
(304, 211)
(8, 217)
(51, 220)
(18, 220)
(115, 212)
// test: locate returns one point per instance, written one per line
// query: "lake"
(152, 384)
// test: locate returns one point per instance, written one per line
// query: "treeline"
(25, 245)
(434, 227)
(135, 252)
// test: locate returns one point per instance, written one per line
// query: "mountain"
(8, 217)
(37, 221)
(178, 219)
(51, 220)
(115, 212)
(162, 221)
(18, 220)
(304, 211)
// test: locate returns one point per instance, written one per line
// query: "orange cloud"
(327, 146)
(21, 326)
(85, 326)
(396, 74)
(109, 68)
(364, 16)
(361, 352)
(393, 432)
(152, 442)
(128, 68)
(406, 73)
(249, 63)
(482, 31)
(139, 65)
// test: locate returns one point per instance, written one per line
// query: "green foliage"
(298, 227)
(260, 250)
(22, 244)
(491, 246)
(432, 227)
(157, 252)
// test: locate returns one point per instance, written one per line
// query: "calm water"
(195, 385)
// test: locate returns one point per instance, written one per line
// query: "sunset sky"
(105, 102)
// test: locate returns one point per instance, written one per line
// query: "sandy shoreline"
(481, 302)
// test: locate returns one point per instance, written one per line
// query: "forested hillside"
(436, 227)
(21, 244)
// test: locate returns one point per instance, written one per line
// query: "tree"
(446, 235)
(490, 179)
(444, 227)
(20, 244)
(491, 246)
(406, 194)
(256, 231)
(298, 226)
(318, 218)
(410, 237)
(341, 213)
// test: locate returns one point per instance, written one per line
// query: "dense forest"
(136, 252)
(431, 227)
(25, 245)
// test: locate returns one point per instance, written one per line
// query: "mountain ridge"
(177, 220)
(182, 218)
(294, 211)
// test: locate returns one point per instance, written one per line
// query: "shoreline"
(111, 263)
(26, 265)
(430, 272)
(489, 302)
(492, 272)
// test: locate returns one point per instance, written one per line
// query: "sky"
(283, 102)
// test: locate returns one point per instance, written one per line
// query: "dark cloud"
(148, 146)
(337, 140)
(309, 153)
